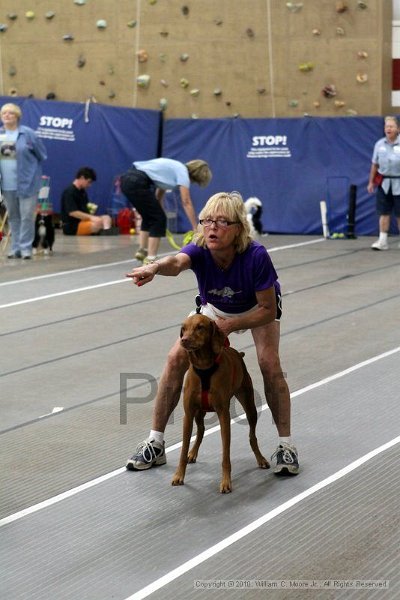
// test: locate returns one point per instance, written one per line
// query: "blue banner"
(290, 164)
(105, 138)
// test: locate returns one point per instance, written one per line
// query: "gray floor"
(75, 525)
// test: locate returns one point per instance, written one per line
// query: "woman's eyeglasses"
(221, 223)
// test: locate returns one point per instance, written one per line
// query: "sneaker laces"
(146, 445)
(288, 453)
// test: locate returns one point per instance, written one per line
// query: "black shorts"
(386, 203)
(141, 193)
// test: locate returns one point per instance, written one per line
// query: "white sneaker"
(378, 245)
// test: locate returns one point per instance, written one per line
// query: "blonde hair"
(199, 172)
(392, 118)
(11, 108)
(231, 206)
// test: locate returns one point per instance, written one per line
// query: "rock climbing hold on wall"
(164, 82)
(50, 15)
(261, 91)
(30, 15)
(362, 54)
(12, 16)
(185, 10)
(81, 62)
(12, 71)
(143, 81)
(329, 91)
(111, 94)
(195, 92)
(293, 103)
(142, 55)
(339, 103)
(163, 103)
(362, 77)
(362, 4)
(351, 112)
(218, 22)
(162, 56)
(340, 31)
(316, 32)
(217, 92)
(250, 32)
(51, 96)
(152, 2)
(341, 6)
(3, 27)
(184, 83)
(68, 37)
(132, 24)
(316, 103)
(306, 67)
(164, 33)
(184, 57)
(80, 2)
(13, 92)
(101, 24)
(294, 6)
(102, 82)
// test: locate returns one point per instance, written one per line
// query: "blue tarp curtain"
(290, 164)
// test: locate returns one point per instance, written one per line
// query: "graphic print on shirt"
(226, 292)
(7, 149)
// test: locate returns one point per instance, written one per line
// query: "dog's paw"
(177, 480)
(225, 487)
(263, 463)
(192, 457)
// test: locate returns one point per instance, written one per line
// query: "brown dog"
(216, 373)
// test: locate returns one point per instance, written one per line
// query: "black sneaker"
(148, 454)
(287, 460)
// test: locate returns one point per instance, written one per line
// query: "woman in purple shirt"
(239, 289)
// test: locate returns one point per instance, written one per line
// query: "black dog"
(44, 234)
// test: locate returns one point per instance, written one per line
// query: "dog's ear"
(181, 332)
(217, 339)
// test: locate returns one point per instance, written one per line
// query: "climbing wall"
(202, 58)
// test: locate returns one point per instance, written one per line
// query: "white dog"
(253, 207)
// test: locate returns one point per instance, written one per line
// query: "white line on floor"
(235, 537)
(89, 484)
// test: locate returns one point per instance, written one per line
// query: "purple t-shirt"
(233, 290)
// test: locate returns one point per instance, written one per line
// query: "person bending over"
(75, 213)
(145, 184)
(239, 290)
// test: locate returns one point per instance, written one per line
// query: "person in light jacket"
(21, 155)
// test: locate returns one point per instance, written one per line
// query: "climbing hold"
(81, 62)
(143, 81)
(194, 116)
(351, 112)
(162, 56)
(101, 24)
(249, 32)
(152, 2)
(51, 96)
(294, 6)
(111, 94)
(329, 91)
(13, 92)
(261, 91)
(80, 2)
(185, 10)
(68, 37)
(30, 15)
(217, 92)
(228, 103)
(195, 92)
(293, 103)
(362, 77)
(163, 103)
(362, 4)
(362, 54)
(50, 15)
(3, 27)
(12, 16)
(142, 55)
(306, 67)
(164, 33)
(184, 57)
(339, 103)
(132, 23)
(102, 82)
(184, 83)
(12, 71)
(316, 32)
(164, 82)
(316, 104)
(218, 22)
(341, 6)
(339, 31)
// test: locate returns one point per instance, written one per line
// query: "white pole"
(325, 227)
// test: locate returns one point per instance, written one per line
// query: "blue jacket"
(30, 154)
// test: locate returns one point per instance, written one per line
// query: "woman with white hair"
(21, 155)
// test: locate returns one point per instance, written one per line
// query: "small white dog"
(254, 209)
